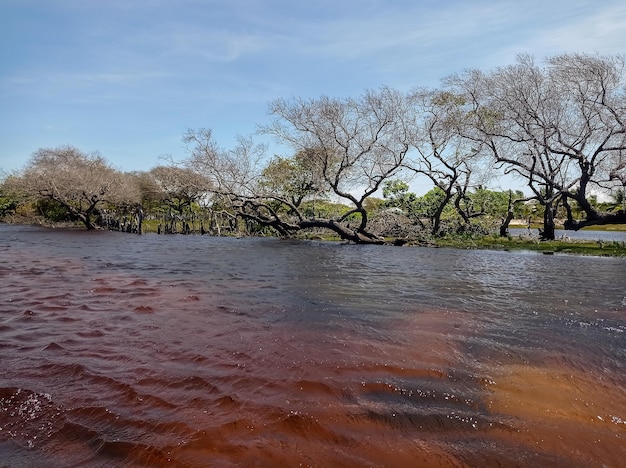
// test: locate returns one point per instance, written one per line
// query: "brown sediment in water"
(579, 415)
(341, 405)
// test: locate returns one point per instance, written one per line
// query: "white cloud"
(603, 30)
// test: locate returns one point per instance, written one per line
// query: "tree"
(397, 195)
(294, 178)
(397, 215)
(492, 205)
(507, 109)
(593, 134)
(450, 161)
(179, 188)
(9, 200)
(79, 182)
(560, 127)
(345, 148)
(351, 145)
(234, 175)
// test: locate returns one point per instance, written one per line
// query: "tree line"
(558, 127)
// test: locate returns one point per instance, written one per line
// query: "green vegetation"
(578, 247)
(8, 206)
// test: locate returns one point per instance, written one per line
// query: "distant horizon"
(127, 79)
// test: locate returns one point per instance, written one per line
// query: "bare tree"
(234, 175)
(450, 161)
(352, 147)
(235, 171)
(343, 147)
(560, 127)
(78, 181)
(593, 133)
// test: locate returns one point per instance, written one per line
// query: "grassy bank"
(559, 227)
(578, 247)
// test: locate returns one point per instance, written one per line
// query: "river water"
(191, 351)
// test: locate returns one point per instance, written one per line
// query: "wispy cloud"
(58, 83)
(602, 30)
(459, 34)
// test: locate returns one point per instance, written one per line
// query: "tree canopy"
(79, 182)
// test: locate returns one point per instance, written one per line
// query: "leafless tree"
(234, 175)
(560, 127)
(450, 161)
(343, 147)
(352, 146)
(593, 133)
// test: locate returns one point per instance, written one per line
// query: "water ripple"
(126, 350)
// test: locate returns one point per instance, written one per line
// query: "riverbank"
(521, 224)
(561, 246)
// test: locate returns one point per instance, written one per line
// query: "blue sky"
(128, 77)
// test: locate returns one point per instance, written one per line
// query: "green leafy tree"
(9, 201)
(294, 179)
(432, 205)
(396, 194)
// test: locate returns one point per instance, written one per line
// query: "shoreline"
(520, 242)
(521, 224)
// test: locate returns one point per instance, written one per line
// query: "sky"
(127, 78)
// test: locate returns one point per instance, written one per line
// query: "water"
(588, 235)
(190, 351)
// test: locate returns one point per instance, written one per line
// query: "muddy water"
(124, 350)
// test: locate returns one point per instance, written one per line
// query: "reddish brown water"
(124, 350)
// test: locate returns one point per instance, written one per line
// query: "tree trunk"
(139, 219)
(548, 223)
(86, 219)
(345, 233)
(597, 219)
(504, 227)
(83, 216)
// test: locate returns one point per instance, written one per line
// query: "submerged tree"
(179, 188)
(79, 182)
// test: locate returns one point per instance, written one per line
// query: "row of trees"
(559, 127)
(65, 184)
